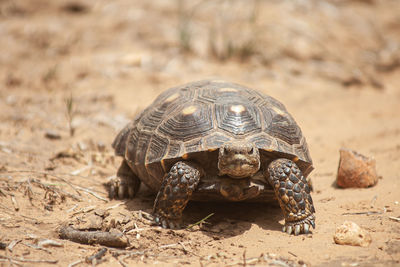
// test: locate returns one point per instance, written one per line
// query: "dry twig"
(15, 203)
(93, 237)
(55, 190)
(57, 176)
(122, 263)
(92, 193)
(138, 230)
(75, 263)
(185, 250)
(363, 213)
(394, 218)
(94, 258)
(28, 191)
(2, 193)
(29, 260)
(76, 172)
(200, 222)
(84, 210)
(9, 211)
(37, 247)
(114, 206)
(70, 113)
(71, 209)
(49, 243)
(13, 243)
(11, 262)
(174, 245)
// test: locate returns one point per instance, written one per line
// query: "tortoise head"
(238, 159)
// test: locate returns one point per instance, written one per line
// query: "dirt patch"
(74, 73)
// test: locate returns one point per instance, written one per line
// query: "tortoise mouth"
(239, 169)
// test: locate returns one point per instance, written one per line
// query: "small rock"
(356, 170)
(53, 135)
(351, 234)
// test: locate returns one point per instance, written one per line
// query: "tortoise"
(215, 140)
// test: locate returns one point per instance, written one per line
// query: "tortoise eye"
(251, 151)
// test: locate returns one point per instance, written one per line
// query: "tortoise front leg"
(176, 189)
(293, 192)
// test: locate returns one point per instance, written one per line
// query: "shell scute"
(187, 122)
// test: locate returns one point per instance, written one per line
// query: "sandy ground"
(334, 64)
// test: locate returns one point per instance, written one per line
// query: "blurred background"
(68, 45)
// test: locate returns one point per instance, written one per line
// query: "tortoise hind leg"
(176, 189)
(126, 184)
(293, 193)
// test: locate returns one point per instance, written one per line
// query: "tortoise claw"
(120, 188)
(117, 188)
(121, 191)
(289, 229)
(111, 193)
(297, 229)
(125, 185)
(167, 223)
(306, 227)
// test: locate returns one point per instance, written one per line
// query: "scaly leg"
(125, 185)
(176, 189)
(293, 192)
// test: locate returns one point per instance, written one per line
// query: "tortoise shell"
(192, 121)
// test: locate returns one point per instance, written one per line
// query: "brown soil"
(334, 64)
